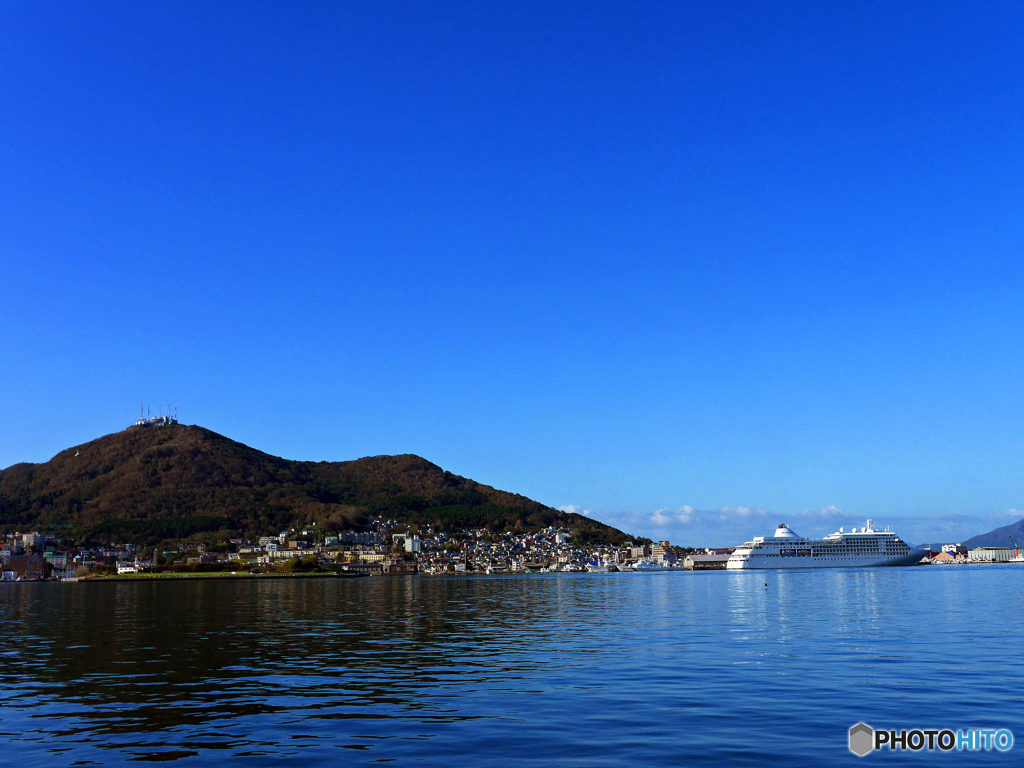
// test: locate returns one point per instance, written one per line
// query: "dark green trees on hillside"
(177, 482)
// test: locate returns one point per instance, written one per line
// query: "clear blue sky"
(631, 257)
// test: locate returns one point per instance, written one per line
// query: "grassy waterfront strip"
(240, 575)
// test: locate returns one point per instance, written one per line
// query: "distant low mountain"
(1000, 537)
(148, 484)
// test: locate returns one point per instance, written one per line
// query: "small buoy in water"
(766, 583)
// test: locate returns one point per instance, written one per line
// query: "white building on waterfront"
(990, 555)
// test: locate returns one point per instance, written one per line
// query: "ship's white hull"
(764, 562)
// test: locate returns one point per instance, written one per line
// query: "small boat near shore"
(647, 565)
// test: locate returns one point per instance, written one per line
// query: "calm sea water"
(708, 668)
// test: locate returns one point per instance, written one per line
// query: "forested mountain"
(1000, 537)
(154, 483)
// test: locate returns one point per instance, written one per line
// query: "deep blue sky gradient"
(623, 256)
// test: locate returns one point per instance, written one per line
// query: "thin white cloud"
(727, 512)
(687, 515)
(828, 512)
(660, 517)
(572, 509)
(729, 526)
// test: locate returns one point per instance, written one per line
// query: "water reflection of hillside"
(178, 653)
(303, 667)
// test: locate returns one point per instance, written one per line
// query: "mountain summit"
(1000, 537)
(167, 482)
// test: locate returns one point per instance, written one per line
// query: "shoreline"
(198, 577)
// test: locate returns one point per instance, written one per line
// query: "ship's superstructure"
(788, 550)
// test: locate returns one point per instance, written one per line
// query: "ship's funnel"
(783, 532)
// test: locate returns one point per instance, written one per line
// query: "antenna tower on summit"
(146, 420)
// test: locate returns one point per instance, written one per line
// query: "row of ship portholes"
(826, 556)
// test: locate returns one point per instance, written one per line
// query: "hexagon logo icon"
(862, 739)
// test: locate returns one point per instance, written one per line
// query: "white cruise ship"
(788, 550)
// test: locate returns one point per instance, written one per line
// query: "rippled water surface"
(592, 669)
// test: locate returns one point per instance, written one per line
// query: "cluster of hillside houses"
(384, 550)
(477, 550)
(32, 556)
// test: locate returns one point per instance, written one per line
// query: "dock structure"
(705, 562)
(400, 567)
(990, 555)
